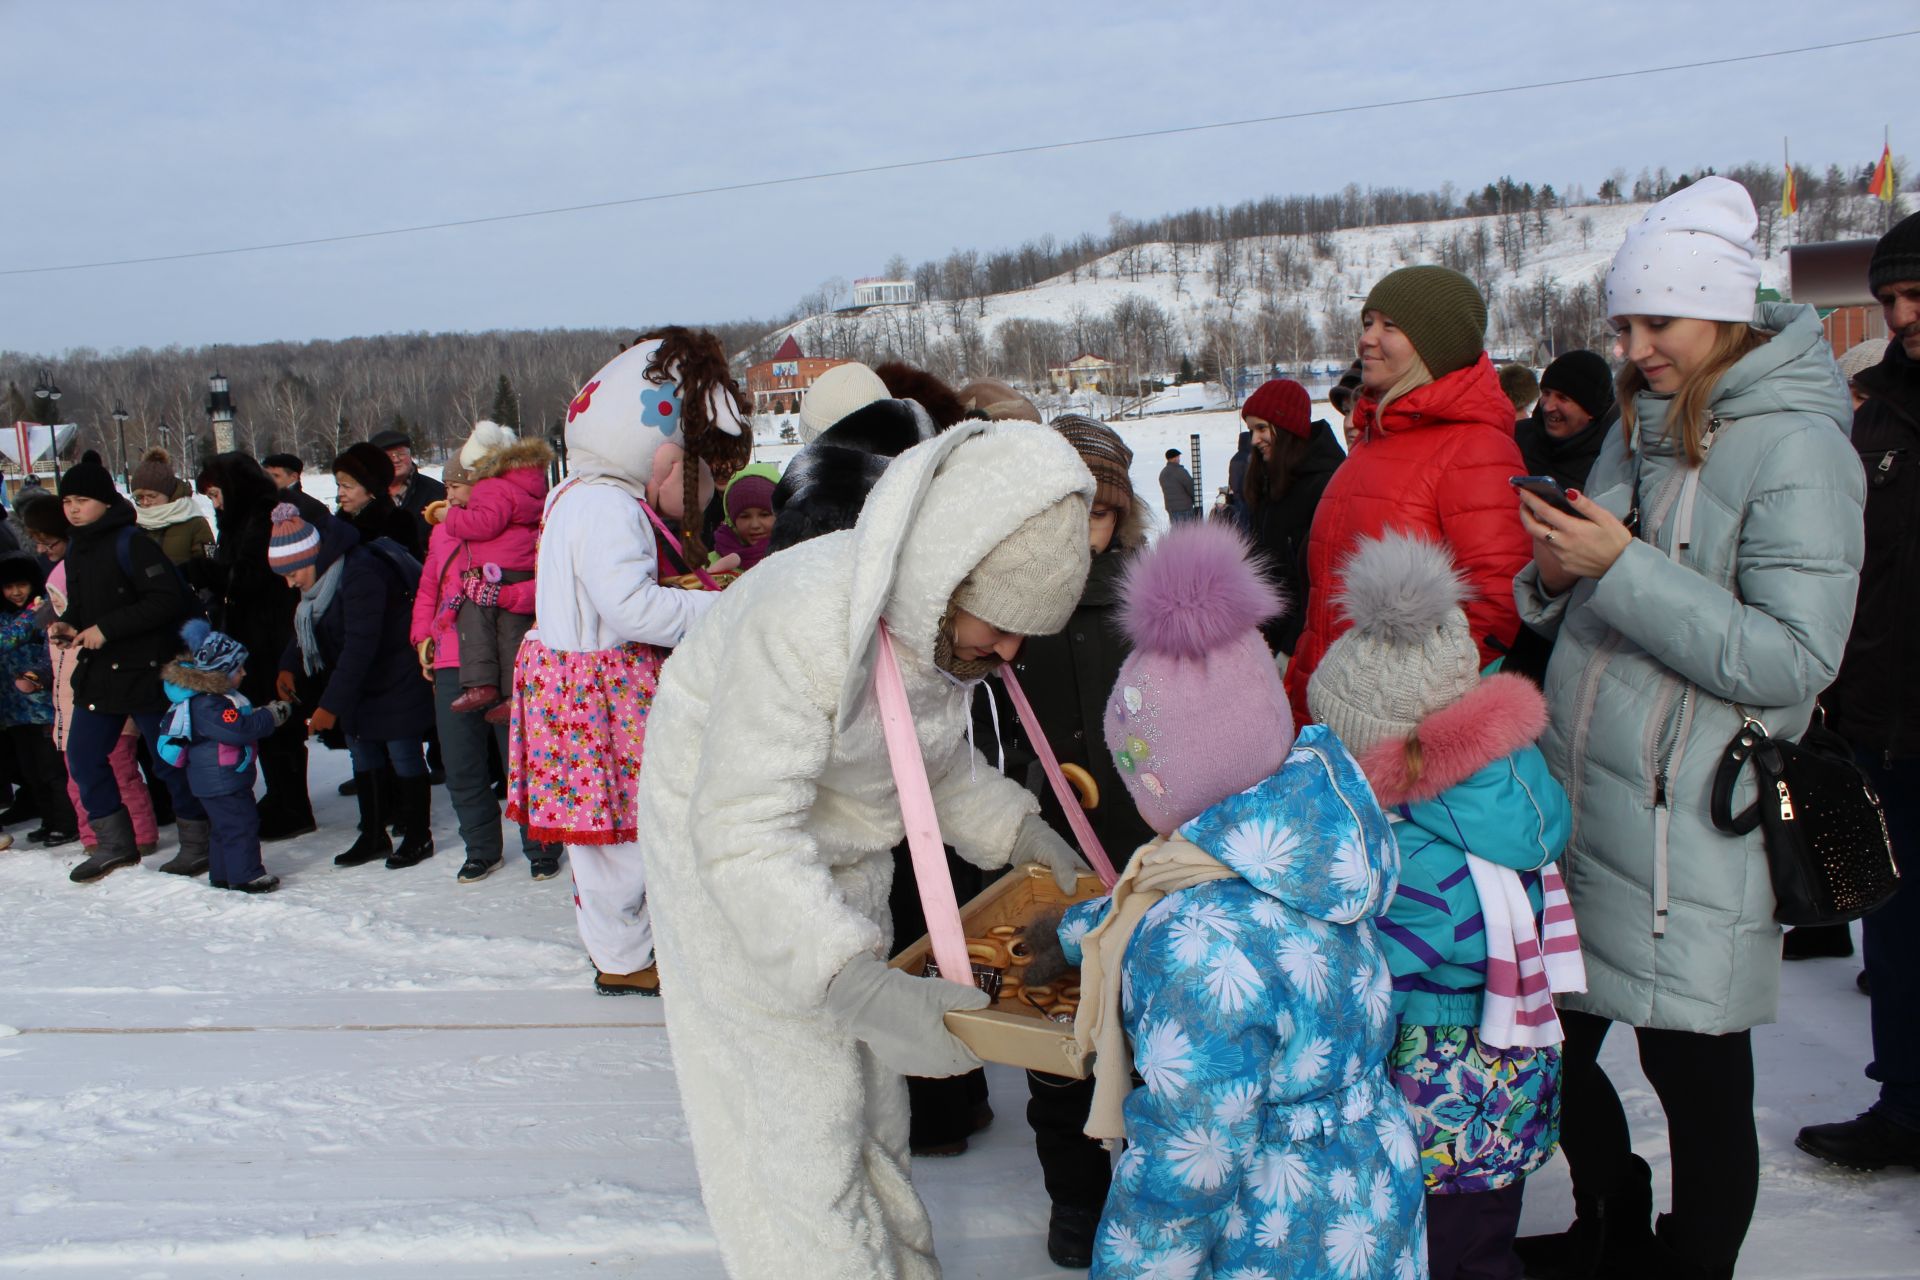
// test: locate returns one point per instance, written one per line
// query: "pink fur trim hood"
(1503, 715)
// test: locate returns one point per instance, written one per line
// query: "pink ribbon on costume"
(1090, 847)
(929, 852)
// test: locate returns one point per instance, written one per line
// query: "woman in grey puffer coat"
(1734, 594)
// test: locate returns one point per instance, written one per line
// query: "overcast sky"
(169, 126)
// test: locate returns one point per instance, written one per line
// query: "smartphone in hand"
(1548, 490)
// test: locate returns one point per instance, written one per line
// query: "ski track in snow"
(199, 1088)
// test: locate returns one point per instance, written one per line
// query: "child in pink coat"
(500, 527)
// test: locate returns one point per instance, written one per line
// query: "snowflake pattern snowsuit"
(1268, 1139)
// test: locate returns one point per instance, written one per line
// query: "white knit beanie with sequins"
(1692, 255)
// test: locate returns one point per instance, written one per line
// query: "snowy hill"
(1267, 300)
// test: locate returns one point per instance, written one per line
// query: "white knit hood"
(935, 514)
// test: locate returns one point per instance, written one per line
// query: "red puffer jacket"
(1437, 465)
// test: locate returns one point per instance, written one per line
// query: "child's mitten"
(475, 587)
(280, 711)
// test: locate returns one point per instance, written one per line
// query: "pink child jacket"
(437, 601)
(501, 523)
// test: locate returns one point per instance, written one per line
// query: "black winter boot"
(1667, 1261)
(371, 791)
(413, 799)
(1869, 1141)
(1070, 1234)
(193, 859)
(114, 849)
(1611, 1235)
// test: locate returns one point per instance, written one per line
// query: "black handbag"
(1825, 831)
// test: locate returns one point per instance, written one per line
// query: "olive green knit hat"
(1439, 310)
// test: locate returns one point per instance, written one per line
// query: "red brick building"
(780, 384)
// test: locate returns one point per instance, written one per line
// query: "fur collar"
(196, 680)
(1503, 715)
(527, 451)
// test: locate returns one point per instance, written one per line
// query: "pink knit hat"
(1198, 713)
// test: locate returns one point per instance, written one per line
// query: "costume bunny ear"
(722, 410)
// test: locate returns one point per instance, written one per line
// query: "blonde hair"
(1416, 376)
(1416, 758)
(1687, 413)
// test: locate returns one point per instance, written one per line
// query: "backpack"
(123, 553)
(401, 560)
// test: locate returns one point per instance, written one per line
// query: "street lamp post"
(46, 390)
(120, 416)
(220, 409)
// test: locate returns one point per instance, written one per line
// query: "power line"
(968, 157)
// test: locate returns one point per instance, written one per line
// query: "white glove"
(1038, 842)
(280, 712)
(898, 1016)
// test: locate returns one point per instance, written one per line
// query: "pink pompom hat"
(1198, 713)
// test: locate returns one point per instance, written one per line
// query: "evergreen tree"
(506, 404)
(1186, 370)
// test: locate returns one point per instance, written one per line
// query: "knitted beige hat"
(1030, 583)
(837, 393)
(1410, 651)
(1862, 356)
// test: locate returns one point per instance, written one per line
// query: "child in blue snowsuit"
(1474, 951)
(210, 733)
(1238, 960)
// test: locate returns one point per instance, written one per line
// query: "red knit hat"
(1284, 403)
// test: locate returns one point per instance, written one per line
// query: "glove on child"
(898, 1016)
(475, 587)
(1040, 843)
(280, 711)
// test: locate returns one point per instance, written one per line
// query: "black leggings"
(1705, 1084)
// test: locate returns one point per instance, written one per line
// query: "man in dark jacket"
(411, 491)
(1561, 440)
(1176, 489)
(284, 469)
(1576, 410)
(125, 604)
(1875, 703)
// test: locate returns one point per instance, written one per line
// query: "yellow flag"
(1789, 196)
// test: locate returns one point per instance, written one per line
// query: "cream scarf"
(1163, 866)
(167, 513)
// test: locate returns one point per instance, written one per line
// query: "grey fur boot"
(114, 849)
(193, 859)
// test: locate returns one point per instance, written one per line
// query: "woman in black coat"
(1293, 459)
(125, 604)
(254, 605)
(351, 631)
(364, 475)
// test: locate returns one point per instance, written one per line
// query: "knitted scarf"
(1525, 970)
(314, 602)
(1163, 866)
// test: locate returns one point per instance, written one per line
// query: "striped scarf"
(1525, 970)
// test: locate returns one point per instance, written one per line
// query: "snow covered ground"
(384, 1073)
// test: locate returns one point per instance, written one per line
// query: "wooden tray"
(1011, 1030)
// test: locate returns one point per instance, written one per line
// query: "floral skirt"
(579, 723)
(1486, 1117)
